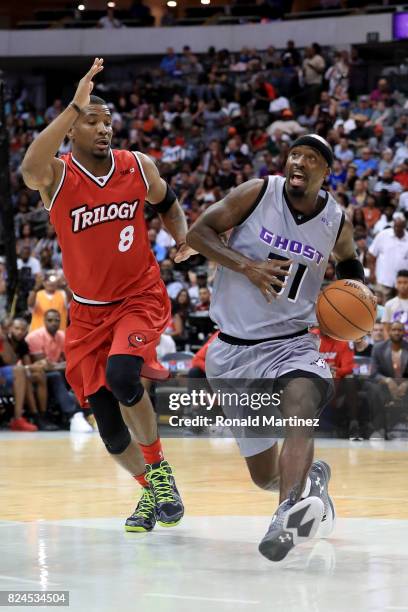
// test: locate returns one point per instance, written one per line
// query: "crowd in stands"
(212, 122)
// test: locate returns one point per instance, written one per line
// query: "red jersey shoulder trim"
(60, 185)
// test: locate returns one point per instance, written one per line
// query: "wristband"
(75, 107)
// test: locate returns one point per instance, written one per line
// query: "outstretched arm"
(205, 236)
(173, 219)
(40, 168)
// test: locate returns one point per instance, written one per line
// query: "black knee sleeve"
(123, 377)
(112, 427)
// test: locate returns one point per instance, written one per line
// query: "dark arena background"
(215, 93)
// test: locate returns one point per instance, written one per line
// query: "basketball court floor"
(63, 503)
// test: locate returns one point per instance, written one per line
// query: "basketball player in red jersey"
(95, 197)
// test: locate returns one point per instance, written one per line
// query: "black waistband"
(242, 342)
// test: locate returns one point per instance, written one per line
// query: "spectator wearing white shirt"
(396, 309)
(388, 253)
(279, 104)
(286, 125)
(109, 22)
(26, 260)
(403, 202)
(388, 183)
(401, 154)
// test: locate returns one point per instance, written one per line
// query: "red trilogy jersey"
(102, 231)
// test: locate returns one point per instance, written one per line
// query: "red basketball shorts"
(130, 327)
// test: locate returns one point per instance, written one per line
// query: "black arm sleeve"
(167, 202)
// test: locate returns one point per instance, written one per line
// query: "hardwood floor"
(73, 477)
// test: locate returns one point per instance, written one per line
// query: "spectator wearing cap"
(364, 107)
(286, 125)
(388, 253)
(45, 296)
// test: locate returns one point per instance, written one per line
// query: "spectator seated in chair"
(46, 346)
(390, 371)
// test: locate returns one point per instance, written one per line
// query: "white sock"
(306, 490)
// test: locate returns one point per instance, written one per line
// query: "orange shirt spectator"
(45, 299)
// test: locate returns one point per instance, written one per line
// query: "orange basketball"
(346, 310)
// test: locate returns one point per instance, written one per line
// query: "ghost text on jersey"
(84, 217)
(290, 246)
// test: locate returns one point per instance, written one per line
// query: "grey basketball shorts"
(271, 359)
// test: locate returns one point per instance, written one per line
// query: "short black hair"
(403, 273)
(97, 100)
(53, 311)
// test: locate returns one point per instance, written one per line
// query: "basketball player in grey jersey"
(269, 277)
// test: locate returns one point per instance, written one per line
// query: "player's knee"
(264, 474)
(265, 480)
(301, 398)
(123, 377)
(111, 426)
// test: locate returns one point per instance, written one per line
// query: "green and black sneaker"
(169, 507)
(144, 516)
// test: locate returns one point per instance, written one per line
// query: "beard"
(295, 193)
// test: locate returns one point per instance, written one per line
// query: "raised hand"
(86, 84)
(264, 274)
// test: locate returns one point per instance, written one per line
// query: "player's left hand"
(184, 252)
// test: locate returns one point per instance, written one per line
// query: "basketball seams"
(342, 315)
(348, 293)
(321, 320)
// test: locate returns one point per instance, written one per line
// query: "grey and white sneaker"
(292, 524)
(319, 475)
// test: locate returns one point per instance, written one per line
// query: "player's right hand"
(86, 84)
(264, 274)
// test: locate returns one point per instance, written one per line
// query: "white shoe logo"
(317, 483)
(285, 538)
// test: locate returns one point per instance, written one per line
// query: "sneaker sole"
(173, 524)
(137, 529)
(300, 524)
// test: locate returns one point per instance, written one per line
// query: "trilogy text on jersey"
(84, 217)
(290, 246)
